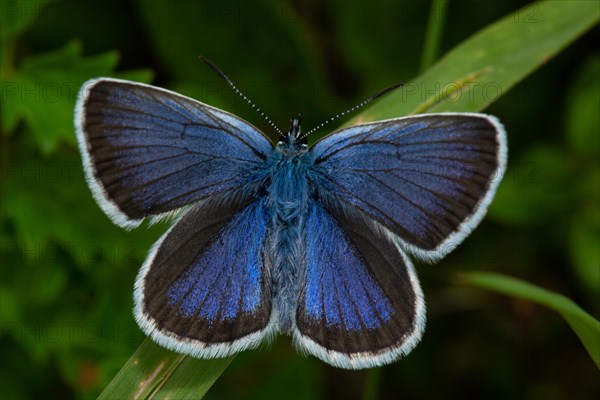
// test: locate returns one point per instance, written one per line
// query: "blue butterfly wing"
(205, 288)
(427, 178)
(148, 151)
(361, 304)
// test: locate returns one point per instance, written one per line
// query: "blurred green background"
(67, 273)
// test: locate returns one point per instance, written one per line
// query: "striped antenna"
(214, 67)
(356, 107)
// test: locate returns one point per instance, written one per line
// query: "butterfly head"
(293, 140)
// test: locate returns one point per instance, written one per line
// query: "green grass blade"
(584, 325)
(154, 372)
(193, 378)
(435, 27)
(484, 67)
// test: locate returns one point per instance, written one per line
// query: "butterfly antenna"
(214, 67)
(356, 107)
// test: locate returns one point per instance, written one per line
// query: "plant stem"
(435, 26)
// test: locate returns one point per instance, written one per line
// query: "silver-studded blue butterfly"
(283, 238)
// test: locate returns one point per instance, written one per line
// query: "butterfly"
(283, 238)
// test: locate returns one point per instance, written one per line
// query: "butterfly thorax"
(288, 195)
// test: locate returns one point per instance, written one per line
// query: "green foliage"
(43, 88)
(49, 110)
(67, 272)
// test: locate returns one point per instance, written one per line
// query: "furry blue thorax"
(288, 196)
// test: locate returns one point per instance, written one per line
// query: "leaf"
(154, 372)
(485, 66)
(44, 88)
(584, 325)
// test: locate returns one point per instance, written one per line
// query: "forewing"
(361, 304)
(428, 178)
(148, 151)
(204, 289)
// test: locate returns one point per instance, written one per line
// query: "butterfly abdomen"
(288, 198)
